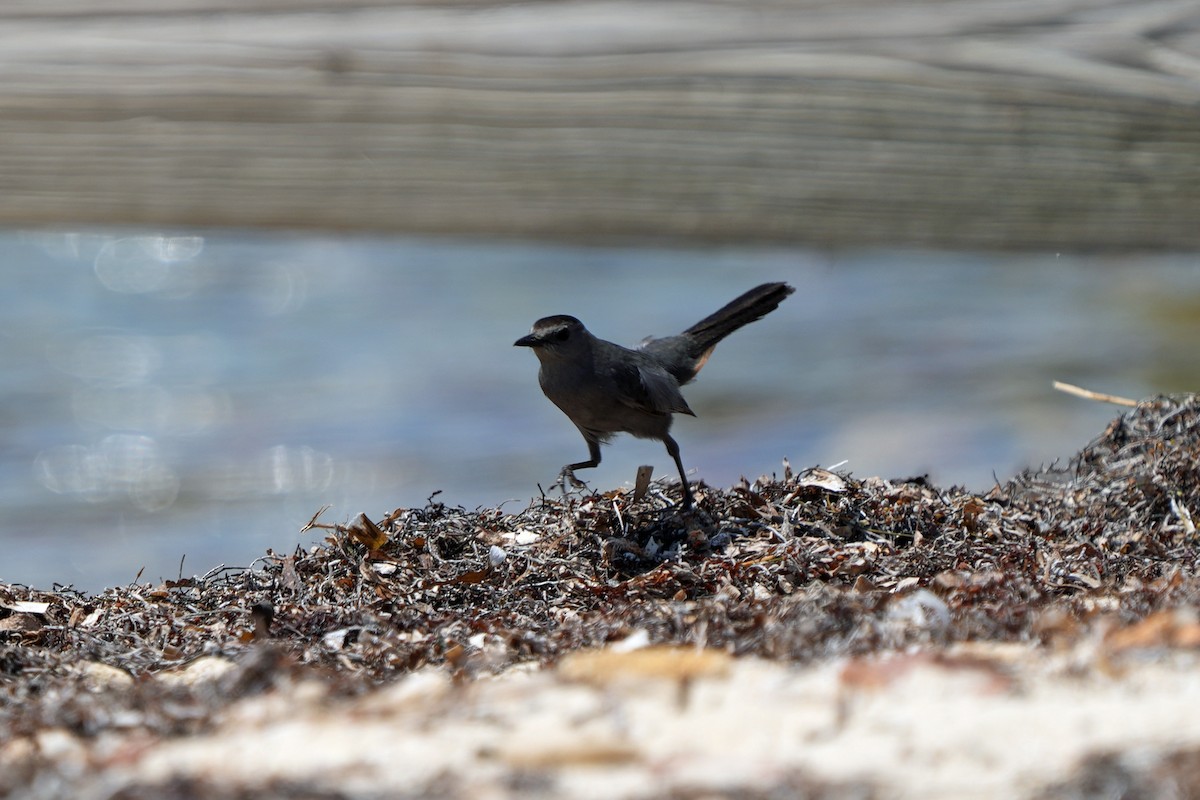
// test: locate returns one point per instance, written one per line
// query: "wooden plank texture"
(1022, 124)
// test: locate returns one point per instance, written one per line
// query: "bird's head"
(555, 337)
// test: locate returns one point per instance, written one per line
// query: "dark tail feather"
(754, 304)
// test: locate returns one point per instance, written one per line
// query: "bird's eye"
(561, 335)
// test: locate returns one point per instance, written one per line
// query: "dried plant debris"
(800, 567)
(1174, 774)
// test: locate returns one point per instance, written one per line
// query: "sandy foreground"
(810, 635)
(974, 721)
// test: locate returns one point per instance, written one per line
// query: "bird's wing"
(649, 388)
(672, 353)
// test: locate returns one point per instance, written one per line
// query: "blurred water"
(204, 392)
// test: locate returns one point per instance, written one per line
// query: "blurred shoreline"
(961, 125)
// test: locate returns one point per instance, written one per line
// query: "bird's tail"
(754, 304)
(685, 354)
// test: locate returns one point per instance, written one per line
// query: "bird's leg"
(568, 472)
(673, 450)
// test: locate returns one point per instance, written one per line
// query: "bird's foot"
(688, 504)
(568, 476)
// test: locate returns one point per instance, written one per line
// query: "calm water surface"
(200, 394)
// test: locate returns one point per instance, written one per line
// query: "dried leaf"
(822, 479)
(366, 533)
(680, 663)
(26, 607)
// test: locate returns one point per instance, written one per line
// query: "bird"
(606, 389)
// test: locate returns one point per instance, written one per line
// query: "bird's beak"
(528, 341)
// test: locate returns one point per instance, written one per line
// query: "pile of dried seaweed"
(800, 567)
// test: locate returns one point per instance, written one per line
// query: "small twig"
(657, 492)
(312, 523)
(1090, 395)
(620, 520)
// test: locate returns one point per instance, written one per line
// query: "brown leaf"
(366, 533)
(971, 511)
(582, 754)
(679, 663)
(21, 622)
(1150, 632)
(1162, 629)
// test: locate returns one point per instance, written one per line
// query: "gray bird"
(606, 389)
